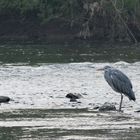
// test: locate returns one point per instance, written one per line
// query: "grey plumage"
(119, 82)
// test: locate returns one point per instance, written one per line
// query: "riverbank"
(64, 21)
(56, 31)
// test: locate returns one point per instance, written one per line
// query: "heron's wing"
(120, 81)
(122, 77)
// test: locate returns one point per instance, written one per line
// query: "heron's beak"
(100, 69)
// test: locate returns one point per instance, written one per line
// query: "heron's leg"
(121, 102)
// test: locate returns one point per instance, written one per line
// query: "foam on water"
(45, 85)
(40, 109)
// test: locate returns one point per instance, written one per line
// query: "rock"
(96, 107)
(137, 111)
(4, 99)
(73, 96)
(107, 107)
(73, 100)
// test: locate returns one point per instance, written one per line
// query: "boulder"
(107, 107)
(73, 96)
(4, 99)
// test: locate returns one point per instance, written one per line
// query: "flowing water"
(38, 77)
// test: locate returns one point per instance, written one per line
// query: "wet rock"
(4, 99)
(96, 107)
(130, 127)
(84, 93)
(137, 111)
(73, 96)
(73, 100)
(107, 107)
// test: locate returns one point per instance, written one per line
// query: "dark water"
(65, 53)
(37, 78)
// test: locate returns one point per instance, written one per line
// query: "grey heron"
(119, 82)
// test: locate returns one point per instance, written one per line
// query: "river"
(38, 77)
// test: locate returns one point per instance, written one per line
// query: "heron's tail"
(131, 96)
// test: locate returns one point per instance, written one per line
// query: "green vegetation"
(109, 20)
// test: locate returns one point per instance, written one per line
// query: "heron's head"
(104, 68)
(107, 67)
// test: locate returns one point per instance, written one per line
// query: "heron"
(119, 82)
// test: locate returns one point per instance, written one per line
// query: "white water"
(46, 86)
